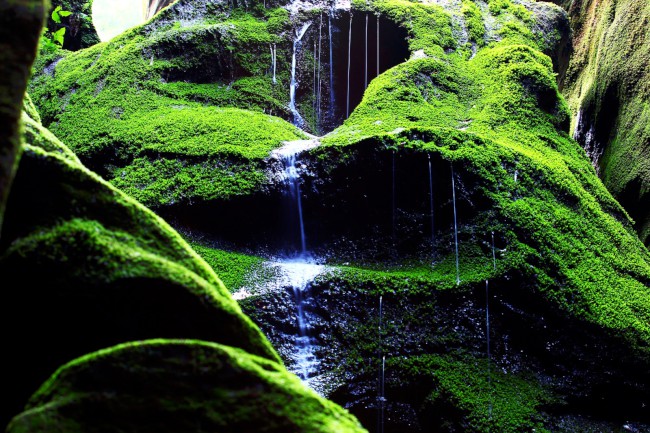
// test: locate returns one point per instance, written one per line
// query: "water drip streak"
(487, 326)
(377, 45)
(274, 56)
(320, 39)
(365, 86)
(329, 29)
(394, 200)
(453, 189)
(347, 109)
(315, 95)
(380, 419)
(433, 233)
(383, 392)
(297, 118)
(494, 256)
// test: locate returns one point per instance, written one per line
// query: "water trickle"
(320, 40)
(433, 233)
(453, 189)
(273, 61)
(516, 174)
(377, 45)
(347, 109)
(365, 85)
(297, 118)
(394, 201)
(382, 395)
(380, 379)
(494, 256)
(332, 99)
(487, 333)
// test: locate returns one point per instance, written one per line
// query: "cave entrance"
(358, 45)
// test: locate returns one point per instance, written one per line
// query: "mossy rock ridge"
(96, 269)
(178, 386)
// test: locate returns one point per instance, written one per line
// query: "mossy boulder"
(95, 268)
(178, 386)
(608, 92)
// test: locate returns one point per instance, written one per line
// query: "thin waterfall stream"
(347, 109)
(453, 189)
(487, 333)
(300, 269)
(297, 118)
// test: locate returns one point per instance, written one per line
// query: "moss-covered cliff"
(453, 185)
(608, 90)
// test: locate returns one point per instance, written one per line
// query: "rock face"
(452, 186)
(608, 91)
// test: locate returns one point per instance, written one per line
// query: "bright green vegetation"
(501, 113)
(234, 269)
(79, 30)
(107, 264)
(177, 385)
(504, 403)
(608, 84)
(134, 109)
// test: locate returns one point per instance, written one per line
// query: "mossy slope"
(93, 268)
(608, 91)
(178, 386)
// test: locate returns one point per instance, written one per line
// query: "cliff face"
(608, 90)
(459, 265)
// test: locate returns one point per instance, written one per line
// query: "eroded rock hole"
(325, 100)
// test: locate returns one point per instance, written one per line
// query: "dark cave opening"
(355, 33)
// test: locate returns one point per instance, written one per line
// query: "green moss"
(234, 269)
(177, 385)
(498, 402)
(607, 89)
(474, 22)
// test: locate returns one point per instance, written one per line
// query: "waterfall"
(516, 173)
(347, 110)
(494, 256)
(300, 271)
(433, 233)
(487, 333)
(297, 118)
(299, 275)
(329, 29)
(365, 85)
(453, 189)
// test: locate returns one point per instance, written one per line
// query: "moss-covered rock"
(607, 89)
(178, 386)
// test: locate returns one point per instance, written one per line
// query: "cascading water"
(377, 45)
(300, 270)
(297, 118)
(453, 189)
